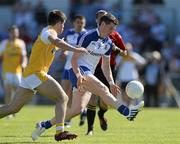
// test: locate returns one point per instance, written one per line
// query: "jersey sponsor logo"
(94, 54)
(98, 48)
(106, 47)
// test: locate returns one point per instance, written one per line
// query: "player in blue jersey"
(99, 45)
(119, 47)
(71, 37)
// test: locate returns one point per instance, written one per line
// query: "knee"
(14, 109)
(78, 109)
(93, 100)
(65, 98)
(62, 98)
(102, 105)
(105, 89)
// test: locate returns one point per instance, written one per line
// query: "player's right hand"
(115, 89)
(79, 82)
(82, 50)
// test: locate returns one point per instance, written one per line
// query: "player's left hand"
(115, 89)
(79, 82)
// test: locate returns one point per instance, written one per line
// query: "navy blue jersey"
(71, 37)
(96, 46)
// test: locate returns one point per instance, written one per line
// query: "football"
(134, 89)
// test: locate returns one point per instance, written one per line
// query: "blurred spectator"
(40, 13)
(174, 65)
(146, 14)
(158, 30)
(14, 60)
(127, 69)
(177, 44)
(24, 16)
(152, 79)
(167, 51)
(150, 44)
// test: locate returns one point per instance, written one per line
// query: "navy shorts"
(65, 74)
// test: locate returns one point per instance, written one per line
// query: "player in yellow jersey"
(14, 59)
(35, 77)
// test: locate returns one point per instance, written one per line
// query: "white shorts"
(32, 81)
(12, 79)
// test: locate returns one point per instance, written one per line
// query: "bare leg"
(80, 100)
(54, 91)
(66, 85)
(93, 100)
(79, 103)
(92, 84)
(126, 99)
(22, 96)
(95, 86)
(103, 105)
(8, 92)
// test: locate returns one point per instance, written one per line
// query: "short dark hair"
(81, 17)
(56, 16)
(108, 18)
(12, 28)
(103, 12)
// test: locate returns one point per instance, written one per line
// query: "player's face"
(14, 33)
(108, 28)
(60, 27)
(79, 24)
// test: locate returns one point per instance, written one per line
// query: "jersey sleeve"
(117, 40)
(83, 40)
(45, 35)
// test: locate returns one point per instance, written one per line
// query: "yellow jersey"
(12, 53)
(42, 54)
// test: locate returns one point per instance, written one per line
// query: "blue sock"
(124, 110)
(46, 124)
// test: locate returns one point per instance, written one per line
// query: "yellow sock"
(59, 128)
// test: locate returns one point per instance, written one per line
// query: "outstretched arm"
(65, 46)
(108, 74)
(76, 68)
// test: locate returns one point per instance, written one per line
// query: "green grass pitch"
(152, 126)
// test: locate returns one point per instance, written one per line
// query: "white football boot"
(38, 131)
(134, 110)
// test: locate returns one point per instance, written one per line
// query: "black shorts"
(99, 74)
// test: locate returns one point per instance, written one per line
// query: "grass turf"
(152, 126)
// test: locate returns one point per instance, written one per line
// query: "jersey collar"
(97, 30)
